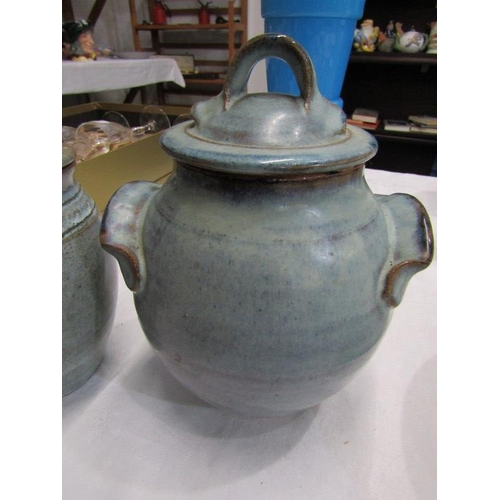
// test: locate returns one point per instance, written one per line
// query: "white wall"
(113, 30)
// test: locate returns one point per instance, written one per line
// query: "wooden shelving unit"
(174, 36)
(397, 85)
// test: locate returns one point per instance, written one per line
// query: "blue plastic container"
(325, 28)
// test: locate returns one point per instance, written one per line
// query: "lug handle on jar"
(270, 45)
(411, 241)
(122, 226)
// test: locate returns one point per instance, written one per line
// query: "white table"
(109, 74)
(133, 433)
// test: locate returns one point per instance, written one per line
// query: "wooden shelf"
(405, 136)
(392, 58)
(204, 81)
(216, 11)
(188, 27)
(181, 35)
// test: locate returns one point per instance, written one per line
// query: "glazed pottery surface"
(264, 270)
(89, 280)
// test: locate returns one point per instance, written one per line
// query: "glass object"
(153, 119)
(97, 137)
(183, 118)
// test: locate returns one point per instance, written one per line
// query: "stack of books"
(397, 125)
(369, 119)
(423, 124)
(364, 118)
(415, 123)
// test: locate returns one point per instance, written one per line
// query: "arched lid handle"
(270, 45)
(269, 120)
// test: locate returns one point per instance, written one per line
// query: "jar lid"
(68, 155)
(269, 133)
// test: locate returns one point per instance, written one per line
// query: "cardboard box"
(100, 177)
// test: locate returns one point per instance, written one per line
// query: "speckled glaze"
(89, 281)
(265, 270)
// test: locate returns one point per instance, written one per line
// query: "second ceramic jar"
(89, 283)
(264, 270)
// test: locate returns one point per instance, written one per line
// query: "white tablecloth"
(110, 74)
(133, 433)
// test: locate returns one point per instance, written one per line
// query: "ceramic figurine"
(432, 45)
(386, 39)
(265, 270)
(89, 282)
(365, 37)
(410, 41)
(77, 41)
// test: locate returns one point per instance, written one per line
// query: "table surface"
(132, 432)
(107, 73)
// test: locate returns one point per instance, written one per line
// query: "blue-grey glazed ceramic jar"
(265, 270)
(89, 283)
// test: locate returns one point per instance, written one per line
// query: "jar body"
(264, 296)
(264, 270)
(89, 280)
